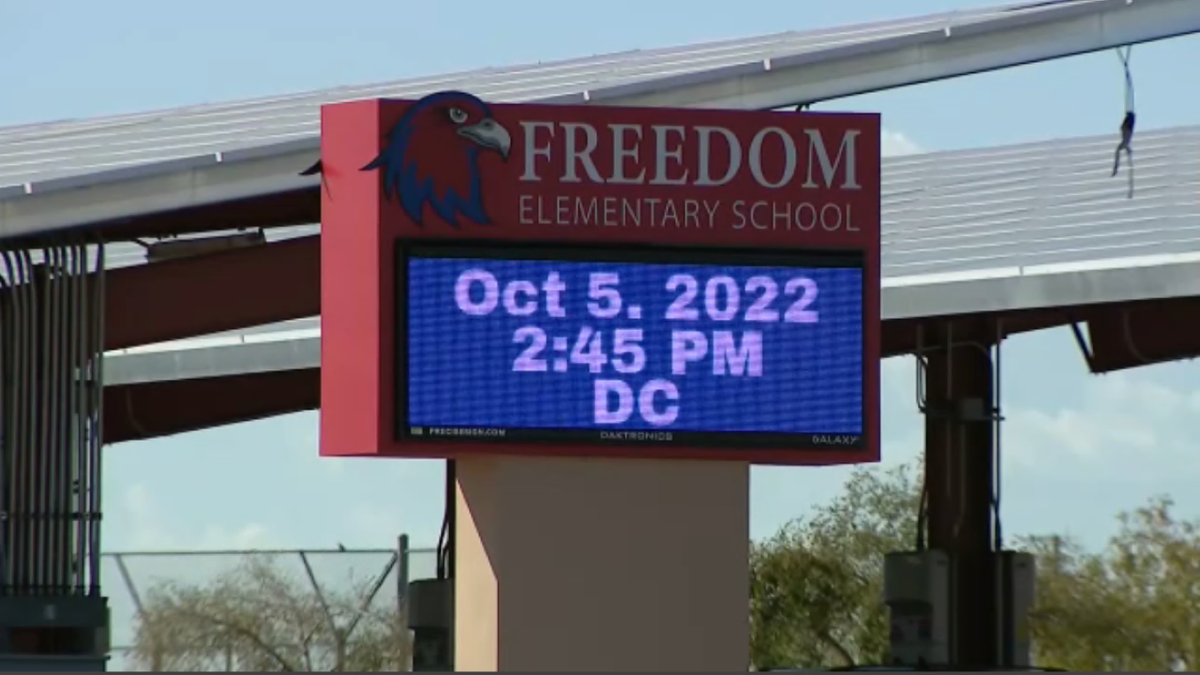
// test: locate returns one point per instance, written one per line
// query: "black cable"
(922, 510)
(317, 169)
(997, 457)
(444, 544)
(1128, 122)
(923, 499)
(451, 515)
(441, 546)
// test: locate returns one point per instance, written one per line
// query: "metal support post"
(959, 469)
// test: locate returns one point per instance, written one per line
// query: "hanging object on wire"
(1127, 124)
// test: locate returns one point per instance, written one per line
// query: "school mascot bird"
(431, 157)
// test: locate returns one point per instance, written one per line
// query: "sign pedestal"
(578, 564)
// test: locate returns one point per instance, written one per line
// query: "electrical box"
(431, 619)
(1016, 587)
(916, 589)
(54, 633)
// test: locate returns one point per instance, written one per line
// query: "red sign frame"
(818, 175)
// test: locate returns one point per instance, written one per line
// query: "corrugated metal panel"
(1041, 203)
(1014, 206)
(40, 152)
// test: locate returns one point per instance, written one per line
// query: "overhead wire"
(1128, 122)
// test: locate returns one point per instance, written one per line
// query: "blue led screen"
(636, 349)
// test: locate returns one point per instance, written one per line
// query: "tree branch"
(244, 632)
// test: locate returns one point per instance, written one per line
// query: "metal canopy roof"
(1019, 227)
(1029, 226)
(146, 163)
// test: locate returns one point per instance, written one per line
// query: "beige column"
(601, 564)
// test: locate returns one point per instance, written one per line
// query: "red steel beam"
(142, 411)
(176, 299)
(205, 294)
(297, 207)
(1137, 335)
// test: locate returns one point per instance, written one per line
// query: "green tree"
(817, 586)
(1134, 606)
(1078, 620)
(256, 617)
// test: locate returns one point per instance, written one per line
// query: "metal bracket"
(1084, 349)
(966, 410)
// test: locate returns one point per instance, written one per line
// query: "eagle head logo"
(431, 157)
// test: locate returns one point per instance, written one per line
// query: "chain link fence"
(155, 588)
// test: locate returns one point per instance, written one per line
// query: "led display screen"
(630, 346)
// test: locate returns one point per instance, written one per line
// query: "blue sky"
(1077, 448)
